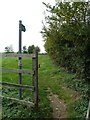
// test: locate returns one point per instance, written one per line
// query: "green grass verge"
(50, 76)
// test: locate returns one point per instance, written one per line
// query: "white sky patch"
(31, 14)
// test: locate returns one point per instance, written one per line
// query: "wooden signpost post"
(21, 28)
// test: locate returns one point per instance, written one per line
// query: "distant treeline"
(9, 49)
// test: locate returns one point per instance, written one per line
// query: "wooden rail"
(27, 103)
(17, 86)
(17, 55)
(16, 70)
(88, 112)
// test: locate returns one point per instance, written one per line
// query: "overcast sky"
(31, 14)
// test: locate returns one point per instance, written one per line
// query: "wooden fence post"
(35, 78)
(88, 111)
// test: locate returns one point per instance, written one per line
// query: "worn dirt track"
(58, 106)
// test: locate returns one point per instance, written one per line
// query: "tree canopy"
(30, 49)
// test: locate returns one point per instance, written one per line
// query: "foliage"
(37, 49)
(9, 49)
(24, 49)
(67, 38)
(30, 49)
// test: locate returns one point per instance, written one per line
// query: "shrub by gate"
(20, 71)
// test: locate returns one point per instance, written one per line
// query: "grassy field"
(50, 76)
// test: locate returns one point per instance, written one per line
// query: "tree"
(32, 47)
(24, 49)
(9, 49)
(37, 49)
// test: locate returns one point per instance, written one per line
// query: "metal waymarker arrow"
(21, 28)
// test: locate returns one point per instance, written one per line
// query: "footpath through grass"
(70, 90)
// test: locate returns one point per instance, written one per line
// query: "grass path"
(51, 77)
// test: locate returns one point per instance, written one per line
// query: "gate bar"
(16, 70)
(17, 55)
(27, 103)
(17, 85)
